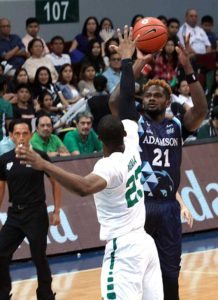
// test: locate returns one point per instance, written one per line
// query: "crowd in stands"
(64, 91)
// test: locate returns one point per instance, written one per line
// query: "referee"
(27, 213)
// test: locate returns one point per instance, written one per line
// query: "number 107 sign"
(57, 11)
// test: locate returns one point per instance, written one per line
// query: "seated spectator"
(6, 111)
(36, 60)
(166, 63)
(42, 82)
(83, 139)
(45, 141)
(106, 24)
(183, 97)
(57, 57)
(23, 109)
(66, 85)
(19, 77)
(98, 104)
(32, 29)
(199, 42)
(113, 73)
(47, 108)
(79, 45)
(209, 129)
(94, 56)
(213, 87)
(173, 25)
(86, 85)
(107, 50)
(12, 50)
(207, 24)
(106, 32)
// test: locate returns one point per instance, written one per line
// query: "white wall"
(120, 11)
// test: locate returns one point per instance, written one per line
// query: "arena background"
(120, 12)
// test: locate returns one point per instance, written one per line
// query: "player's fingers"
(130, 33)
(119, 35)
(125, 32)
(186, 40)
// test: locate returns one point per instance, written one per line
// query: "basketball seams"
(151, 38)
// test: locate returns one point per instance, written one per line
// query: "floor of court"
(199, 262)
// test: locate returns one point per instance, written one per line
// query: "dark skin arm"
(77, 184)
(196, 114)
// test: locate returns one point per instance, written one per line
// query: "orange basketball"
(153, 34)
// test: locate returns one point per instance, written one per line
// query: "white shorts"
(131, 268)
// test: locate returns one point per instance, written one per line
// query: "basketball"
(153, 34)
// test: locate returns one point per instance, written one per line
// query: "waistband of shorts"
(133, 231)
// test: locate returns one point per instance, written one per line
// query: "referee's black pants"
(32, 223)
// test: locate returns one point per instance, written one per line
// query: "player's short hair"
(111, 131)
(159, 82)
(15, 122)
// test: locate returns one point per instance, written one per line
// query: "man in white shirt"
(32, 28)
(131, 267)
(199, 42)
(57, 56)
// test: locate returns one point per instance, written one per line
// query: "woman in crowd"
(80, 43)
(66, 85)
(43, 81)
(94, 56)
(86, 85)
(37, 60)
(166, 63)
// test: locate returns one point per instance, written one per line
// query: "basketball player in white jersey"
(130, 269)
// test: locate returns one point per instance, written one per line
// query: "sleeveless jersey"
(120, 206)
(160, 150)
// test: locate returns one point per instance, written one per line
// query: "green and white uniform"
(131, 269)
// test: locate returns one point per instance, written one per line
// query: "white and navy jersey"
(120, 206)
(160, 150)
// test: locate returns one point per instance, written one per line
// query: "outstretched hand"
(29, 157)
(183, 52)
(126, 46)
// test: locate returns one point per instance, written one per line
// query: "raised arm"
(122, 101)
(196, 114)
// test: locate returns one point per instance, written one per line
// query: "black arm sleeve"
(127, 109)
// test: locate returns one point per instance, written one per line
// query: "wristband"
(191, 78)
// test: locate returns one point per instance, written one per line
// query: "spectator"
(12, 50)
(57, 57)
(36, 60)
(94, 56)
(67, 85)
(106, 24)
(83, 139)
(45, 141)
(166, 63)
(79, 45)
(113, 73)
(23, 109)
(98, 104)
(207, 24)
(107, 50)
(43, 81)
(199, 42)
(173, 25)
(184, 97)
(209, 129)
(33, 28)
(85, 85)
(6, 111)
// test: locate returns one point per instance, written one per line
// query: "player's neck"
(112, 149)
